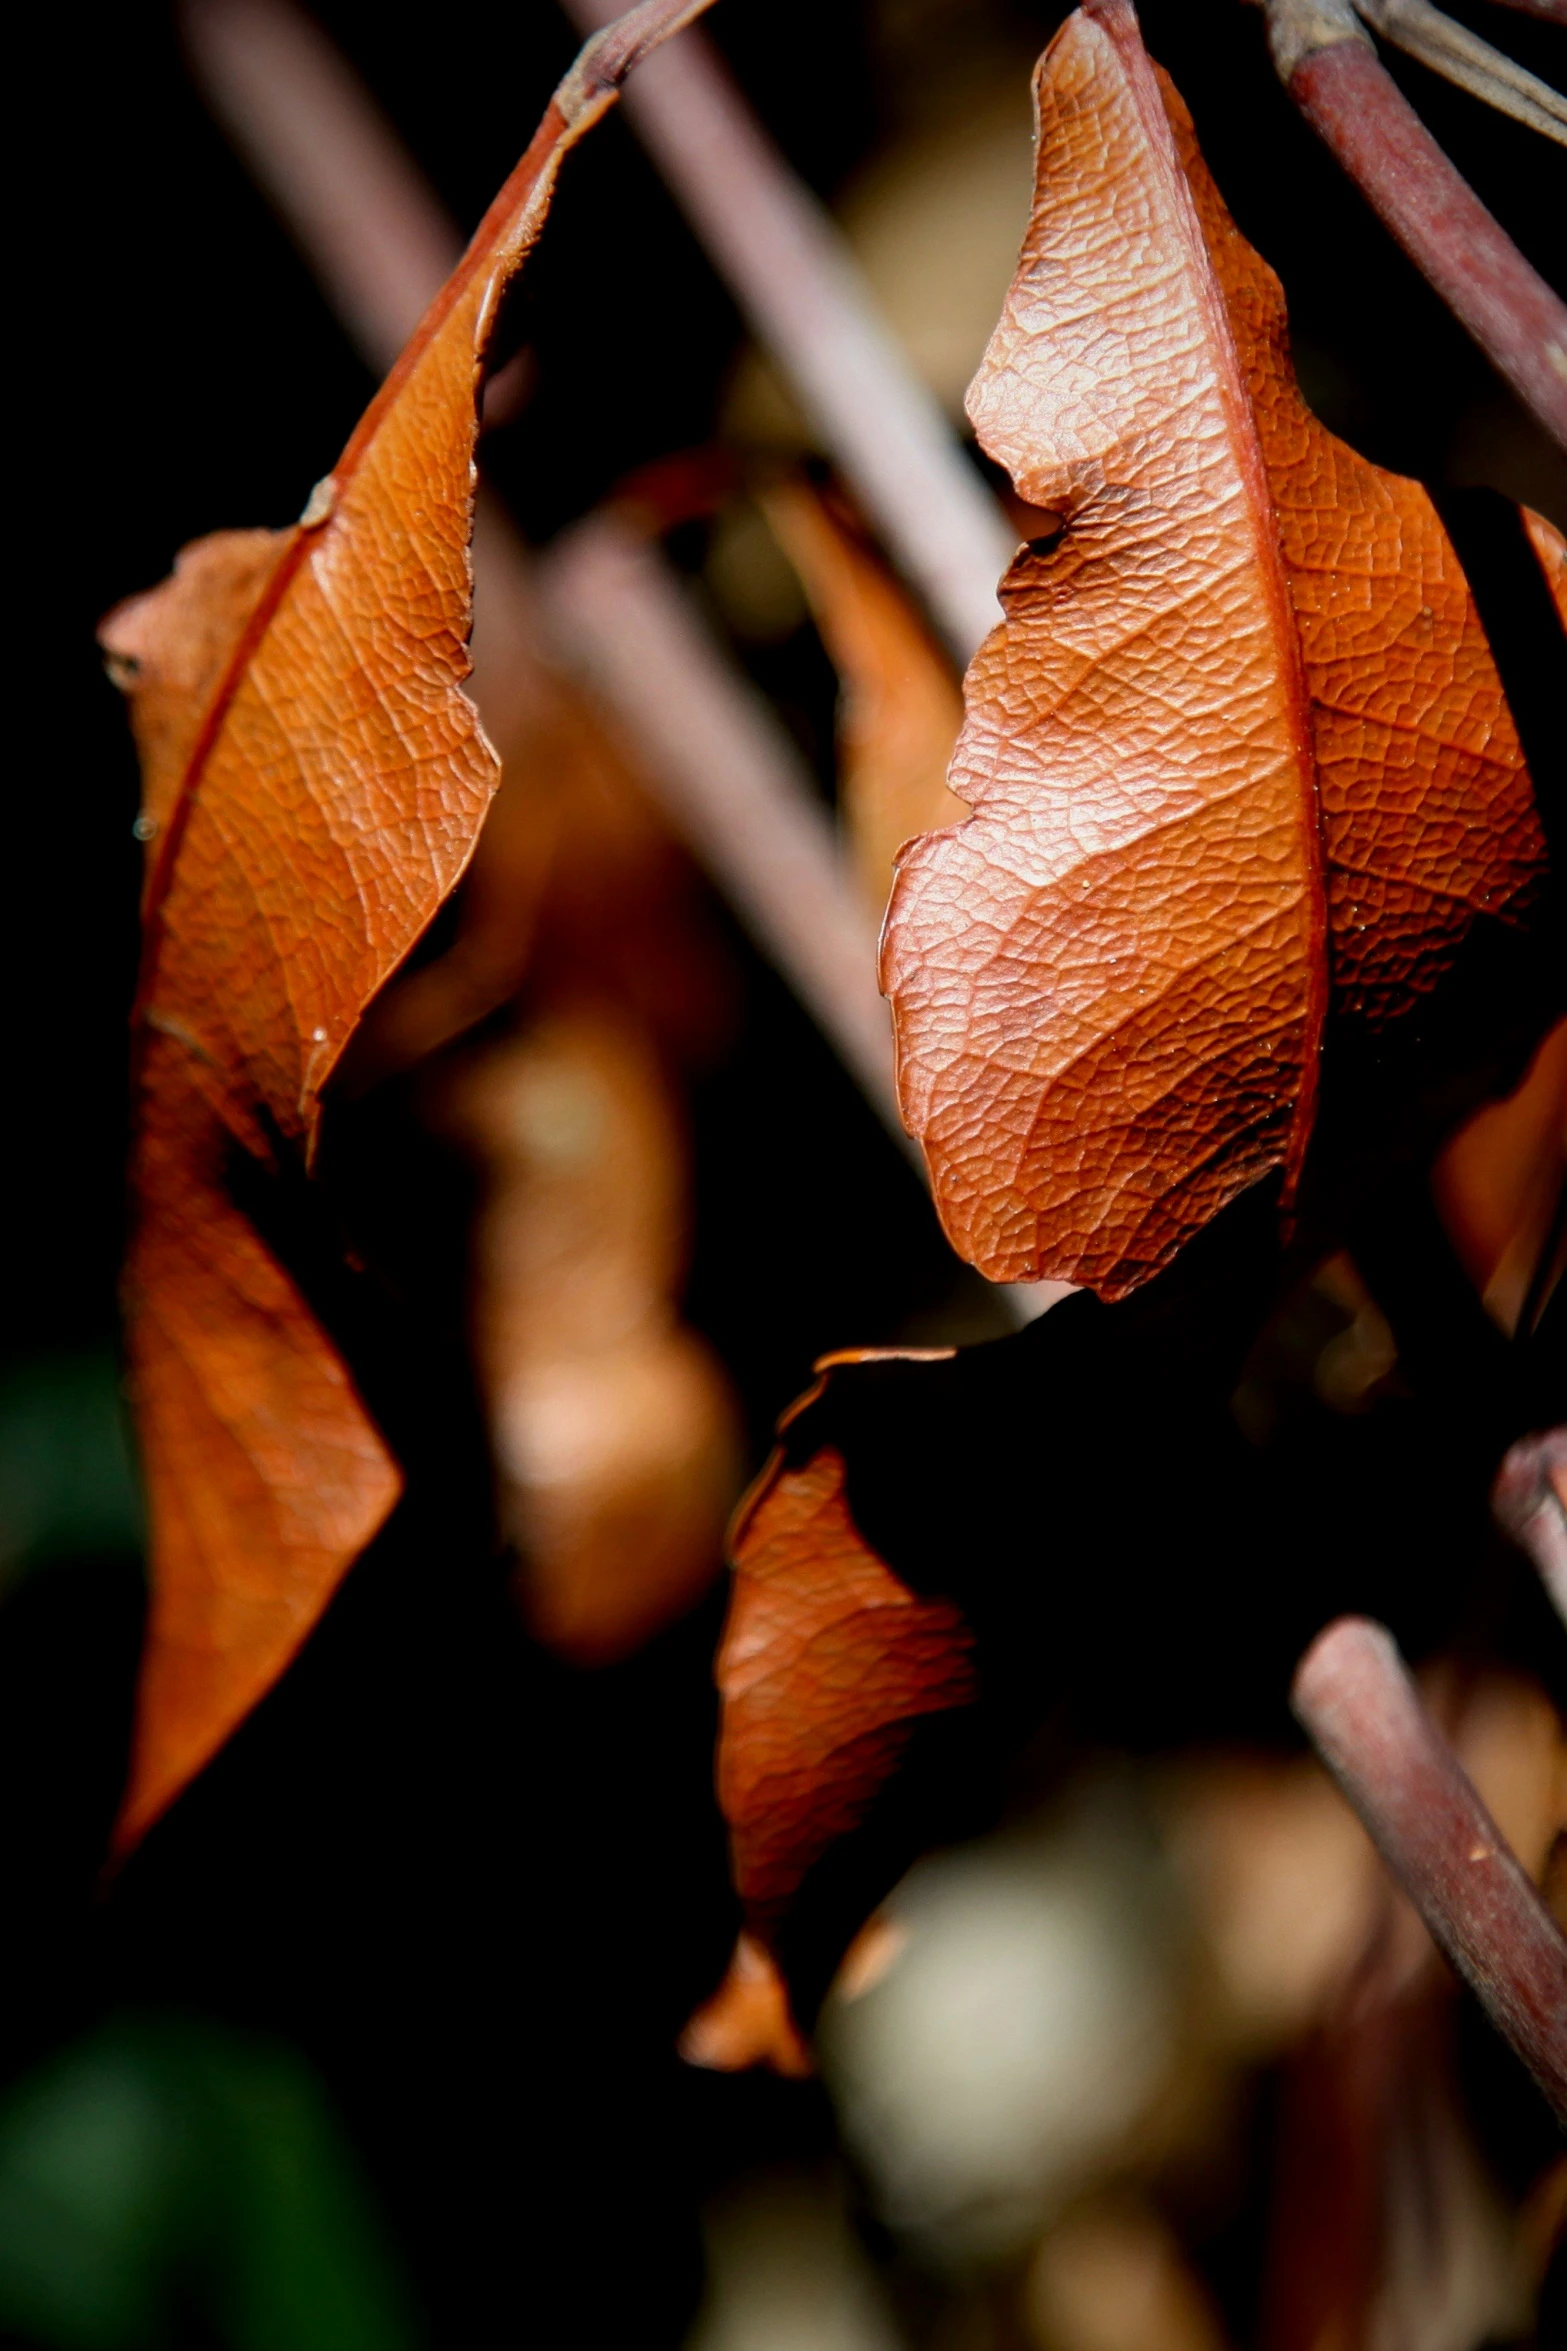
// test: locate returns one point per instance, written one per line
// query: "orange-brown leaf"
(748, 2020)
(613, 1427)
(1499, 1183)
(827, 1663)
(263, 1474)
(1246, 696)
(1424, 803)
(315, 781)
(898, 710)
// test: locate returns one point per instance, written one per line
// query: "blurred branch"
(377, 240)
(1553, 11)
(1530, 1502)
(381, 246)
(729, 780)
(1369, 1723)
(1330, 69)
(1461, 57)
(792, 273)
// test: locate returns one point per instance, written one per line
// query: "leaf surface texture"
(1237, 752)
(315, 780)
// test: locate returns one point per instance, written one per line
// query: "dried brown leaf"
(1244, 704)
(315, 781)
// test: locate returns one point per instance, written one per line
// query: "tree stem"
(1355, 1697)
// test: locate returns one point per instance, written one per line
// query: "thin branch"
(381, 245)
(1461, 57)
(728, 778)
(1530, 1503)
(793, 275)
(1327, 64)
(1369, 1723)
(376, 238)
(1553, 11)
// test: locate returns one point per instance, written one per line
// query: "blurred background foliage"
(374, 2044)
(163, 2180)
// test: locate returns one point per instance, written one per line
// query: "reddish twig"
(1530, 1502)
(792, 273)
(1355, 1697)
(1331, 71)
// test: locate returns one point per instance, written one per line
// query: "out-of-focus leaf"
(747, 2021)
(899, 709)
(575, 878)
(1499, 1186)
(1244, 704)
(315, 781)
(66, 1479)
(165, 2175)
(613, 1427)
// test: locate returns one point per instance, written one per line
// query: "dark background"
(480, 1890)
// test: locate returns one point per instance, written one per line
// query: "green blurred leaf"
(167, 2174)
(67, 1480)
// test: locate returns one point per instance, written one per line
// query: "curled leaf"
(1245, 703)
(315, 781)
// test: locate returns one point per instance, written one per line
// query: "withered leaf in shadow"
(828, 1661)
(1067, 1527)
(928, 1561)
